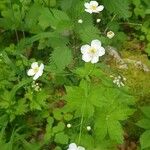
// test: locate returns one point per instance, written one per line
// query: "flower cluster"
(119, 81)
(36, 86)
(91, 53)
(73, 146)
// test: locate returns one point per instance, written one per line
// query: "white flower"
(119, 81)
(88, 128)
(110, 34)
(35, 71)
(73, 146)
(92, 7)
(80, 21)
(69, 125)
(91, 53)
(98, 20)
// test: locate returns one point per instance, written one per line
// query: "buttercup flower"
(73, 146)
(80, 21)
(110, 34)
(35, 71)
(93, 52)
(92, 7)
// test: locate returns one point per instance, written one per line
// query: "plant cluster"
(57, 91)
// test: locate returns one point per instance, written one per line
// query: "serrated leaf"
(144, 123)
(119, 7)
(144, 139)
(61, 138)
(146, 111)
(61, 57)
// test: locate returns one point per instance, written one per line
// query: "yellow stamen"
(92, 50)
(36, 69)
(93, 7)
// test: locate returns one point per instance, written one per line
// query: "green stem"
(110, 21)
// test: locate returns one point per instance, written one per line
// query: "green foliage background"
(72, 91)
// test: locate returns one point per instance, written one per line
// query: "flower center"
(93, 7)
(36, 69)
(92, 51)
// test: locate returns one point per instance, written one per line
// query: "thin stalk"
(114, 16)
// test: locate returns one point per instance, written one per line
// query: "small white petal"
(41, 67)
(86, 57)
(94, 3)
(101, 51)
(95, 60)
(88, 128)
(89, 11)
(96, 44)
(72, 146)
(87, 5)
(36, 76)
(30, 72)
(80, 21)
(80, 148)
(98, 20)
(34, 65)
(84, 49)
(100, 8)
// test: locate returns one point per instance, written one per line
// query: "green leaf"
(60, 127)
(61, 138)
(48, 133)
(60, 58)
(115, 131)
(146, 111)
(144, 123)
(144, 140)
(118, 7)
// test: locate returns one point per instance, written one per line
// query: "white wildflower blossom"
(91, 53)
(35, 71)
(98, 20)
(119, 81)
(69, 125)
(73, 146)
(110, 34)
(88, 128)
(80, 21)
(93, 7)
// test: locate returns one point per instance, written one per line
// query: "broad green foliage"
(145, 124)
(71, 101)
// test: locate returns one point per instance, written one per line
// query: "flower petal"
(100, 8)
(34, 65)
(41, 67)
(94, 3)
(84, 49)
(96, 44)
(89, 11)
(80, 148)
(87, 5)
(72, 146)
(95, 60)
(30, 72)
(36, 76)
(86, 57)
(101, 51)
